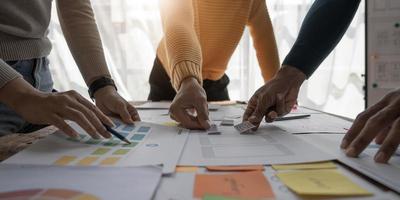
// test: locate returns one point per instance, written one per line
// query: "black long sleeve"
(322, 29)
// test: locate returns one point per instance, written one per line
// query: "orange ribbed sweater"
(200, 37)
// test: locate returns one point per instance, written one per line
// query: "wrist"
(104, 91)
(17, 92)
(100, 83)
(189, 81)
(292, 74)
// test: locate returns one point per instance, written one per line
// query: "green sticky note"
(121, 151)
(111, 143)
(101, 151)
(133, 144)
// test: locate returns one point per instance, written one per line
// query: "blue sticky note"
(129, 128)
(137, 137)
(143, 129)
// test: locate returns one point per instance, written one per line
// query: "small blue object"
(129, 128)
(144, 129)
(137, 137)
(117, 124)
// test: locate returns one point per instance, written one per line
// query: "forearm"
(322, 29)
(262, 32)
(7, 74)
(180, 44)
(81, 33)
(269, 59)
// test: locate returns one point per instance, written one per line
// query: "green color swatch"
(133, 144)
(101, 151)
(111, 143)
(121, 151)
(93, 141)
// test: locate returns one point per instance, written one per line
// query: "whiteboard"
(383, 48)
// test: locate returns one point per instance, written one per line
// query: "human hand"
(276, 98)
(189, 106)
(54, 108)
(382, 122)
(112, 104)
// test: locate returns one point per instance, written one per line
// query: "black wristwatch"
(100, 83)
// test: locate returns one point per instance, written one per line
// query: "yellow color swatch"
(171, 124)
(315, 165)
(87, 161)
(321, 182)
(121, 151)
(186, 169)
(110, 161)
(65, 160)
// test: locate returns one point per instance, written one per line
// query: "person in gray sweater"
(26, 97)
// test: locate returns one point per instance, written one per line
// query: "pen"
(116, 134)
(291, 117)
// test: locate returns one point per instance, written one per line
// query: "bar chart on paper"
(58, 149)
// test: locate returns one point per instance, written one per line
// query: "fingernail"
(380, 157)
(344, 144)
(351, 152)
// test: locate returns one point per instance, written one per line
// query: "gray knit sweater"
(24, 27)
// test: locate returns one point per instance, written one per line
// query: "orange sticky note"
(237, 185)
(236, 168)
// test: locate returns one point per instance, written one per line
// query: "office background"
(131, 31)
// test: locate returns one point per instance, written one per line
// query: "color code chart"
(105, 152)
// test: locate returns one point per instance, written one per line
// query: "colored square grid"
(143, 129)
(129, 128)
(137, 137)
(121, 151)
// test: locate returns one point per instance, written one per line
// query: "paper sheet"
(302, 166)
(386, 174)
(315, 123)
(151, 145)
(240, 185)
(269, 145)
(95, 183)
(321, 183)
